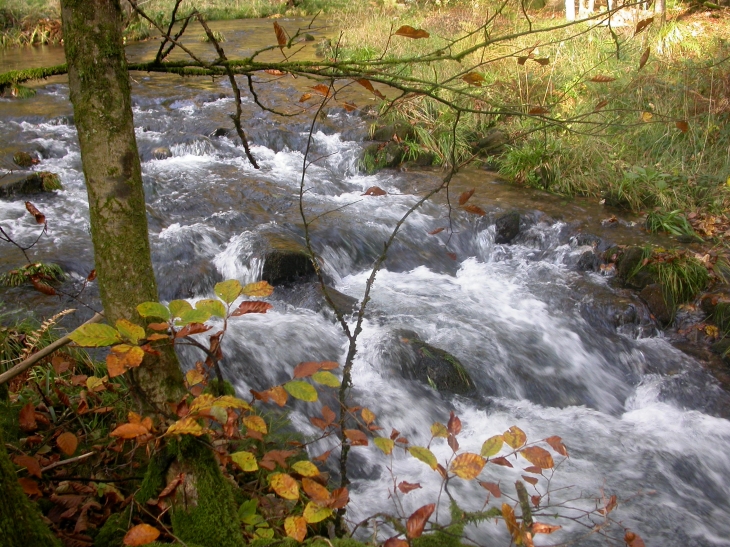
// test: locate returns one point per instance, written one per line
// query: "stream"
(641, 419)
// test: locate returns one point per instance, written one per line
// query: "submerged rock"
(29, 183)
(655, 301)
(286, 261)
(311, 296)
(428, 364)
(507, 227)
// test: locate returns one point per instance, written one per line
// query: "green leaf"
(153, 309)
(264, 533)
(192, 316)
(178, 307)
(326, 378)
(301, 390)
(213, 307)
(491, 446)
(95, 336)
(384, 444)
(425, 455)
(248, 508)
(247, 462)
(228, 291)
(130, 331)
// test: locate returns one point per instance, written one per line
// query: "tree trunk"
(100, 93)
(570, 10)
(660, 9)
(20, 523)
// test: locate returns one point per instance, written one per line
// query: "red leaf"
(250, 306)
(682, 125)
(556, 443)
(192, 328)
(172, 486)
(492, 488)
(538, 111)
(406, 487)
(26, 419)
(453, 443)
(436, 231)
(340, 498)
(464, 197)
(281, 38)
(474, 210)
(417, 521)
(531, 480)
(375, 191)
(501, 461)
(356, 437)
(454, 425)
(534, 469)
(67, 442)
(600, 105)
(632, 540)
(303, 370)
(452, 256)
(40, 286)
(91, 276)
(641, 25)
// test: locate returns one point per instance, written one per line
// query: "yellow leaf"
(514, 437)
(492, 446)
(285, 486)
(425, 455)
(202, 402)
(296, 528)
(305, 469)
(313, 513)
(193, 377)
(647, 116)
(367, 415)
(384, 444)
(256, 423)
(439, 430)
(245, 460)
(92, 382)
(260, 288)
(186, 426)
(467, 466)
(229, 401)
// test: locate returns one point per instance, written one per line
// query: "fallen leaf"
(417, 521)
(410, 32)
(30, 463)
(375, 191)
(464, 197)
(142, 534)
(67, 442)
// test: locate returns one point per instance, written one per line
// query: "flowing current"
(641, 419)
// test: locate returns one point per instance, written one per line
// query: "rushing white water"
(637, 415)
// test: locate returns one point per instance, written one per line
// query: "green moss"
(15, 77)
(51, 181)
(113, 531)
(23, 159)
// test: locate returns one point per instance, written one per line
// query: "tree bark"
(20, 523)
(570, 10)
(101, 97)
(660, 9)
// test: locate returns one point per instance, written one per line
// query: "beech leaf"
(281, 37)
(142, 534)
(423, 454)
(228, 291)
(464, 197)
(306, 369)
(245, 460)
(417, 521)
(296, 528)
(250, 306)
(258, 289)
(153, 309)
(375, 191)
(129, 431)
(410, 32)
(492, 446)
(542, 528)
(211, 306)
(30, 463)
(467, 465)
(385, 445)
(313, 513)
(514, 437)
(301, 390)
(406, 487)
(95, 335)
(67, 443)
(474, 210)
(305, 469)
(356, 437)
(644, 58)
(538, 456)
(316, 491)
(326, 378)
(284, 486)
(556, 443)
(492, 488)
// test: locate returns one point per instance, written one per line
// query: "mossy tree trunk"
(100, 93)
(101, 97)
(20, 523)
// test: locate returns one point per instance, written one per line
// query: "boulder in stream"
(286, 261)
(507, 227)
(428, 364)
(24, 160)
(29, 183)
(653, 295)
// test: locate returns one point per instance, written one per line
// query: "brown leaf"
(279, 395)
(492, 488)
(356, 437)
(30, 487)
(316, 492)
(192, 328)
(129, 431)
(340, 498)
(395, 542)
(274, 72)
(509, 518)
(410, 32)
(600, 105)
(436, 231)
(542, 528)
(531, 480)
(172, 486)
(329, 365)
(682, 125)
(538, 456)
(41, 286)
(544, 61)
(610, 505)
(321, 89)
(40, 218)
(501, 461)
(556, 443)
(536, 500)
(349, 107)
(142, 534)
(30, 463)
(533, 469)
(26, 419)
(464, 197)
(644, 58)
(473, 78)
(305, 369)
(474, 210)
(375, 191)
(322, 457)
(281, 37)
(538, 111)
(641, 25)
(406, 487)
(633, 540)
(250, 306)
(67, 443)
(61, 364)
(369, 86)
(115, 365)
(417, 521)
(602, 79)
(304, 98)
(453, 443)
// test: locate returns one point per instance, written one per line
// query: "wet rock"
(654, 298)
(286, 261)
(428, 364)
(588, 262)
(24, 160)
(582, 240)
(311, 296)
(628, 267)
(376, 157)
(609, 312)
(161, 153)
(400, 130)
(29, 183)
(220, 132)
(722, 348)
(507, 227)
(491, 143)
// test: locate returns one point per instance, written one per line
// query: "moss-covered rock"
(29, 183)
(24, 160)
(286, 261)
(421, 361)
